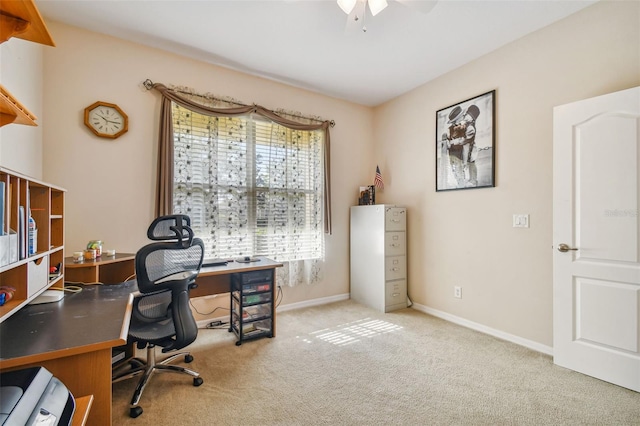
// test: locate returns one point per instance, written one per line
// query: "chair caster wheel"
(188, 358)
(135, 412)
(238, 343)
(197, 381)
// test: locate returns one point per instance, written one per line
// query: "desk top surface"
(95, 318)
(236, 267)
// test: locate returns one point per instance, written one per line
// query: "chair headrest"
(175, 227)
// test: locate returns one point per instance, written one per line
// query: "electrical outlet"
(457, 292)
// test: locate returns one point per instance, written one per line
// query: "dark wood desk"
(73, 338)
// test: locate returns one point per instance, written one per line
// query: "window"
(250, 186)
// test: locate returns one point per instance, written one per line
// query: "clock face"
(106, 120)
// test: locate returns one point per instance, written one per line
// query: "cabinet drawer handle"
(395, 245)
(395, 269)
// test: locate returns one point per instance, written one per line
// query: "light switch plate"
(520, 220)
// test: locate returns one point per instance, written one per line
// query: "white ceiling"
(309, 44)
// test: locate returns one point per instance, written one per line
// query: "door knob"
(565, 248)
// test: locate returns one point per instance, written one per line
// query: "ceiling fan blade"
(422, 6)
(347, 5)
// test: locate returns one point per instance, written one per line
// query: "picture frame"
(465, 144)
(367, 195)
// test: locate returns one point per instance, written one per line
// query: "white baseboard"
(436, 313)
(484, 329)
(313, 302)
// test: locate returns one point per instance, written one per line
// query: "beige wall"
(111, 183)
(21, 74)
(466, 238)
(456, 238)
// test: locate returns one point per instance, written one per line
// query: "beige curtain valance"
(164, 188)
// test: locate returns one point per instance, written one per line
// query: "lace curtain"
(250, 185)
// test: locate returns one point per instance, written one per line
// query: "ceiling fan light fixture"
(347, 5)
(377, 6)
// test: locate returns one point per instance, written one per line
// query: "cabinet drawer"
(254, 277)
(396, 219)
(395, 268)
(253, 288)
(252, 299)
(395, 243)
(395, 293)
(252, 282)
(254, 312)
(254, 329)
(37, 275)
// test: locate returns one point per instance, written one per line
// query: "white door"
(596, 247)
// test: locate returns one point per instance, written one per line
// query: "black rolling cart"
(252, 304)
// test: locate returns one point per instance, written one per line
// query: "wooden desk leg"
(83, 408)
(86, 374)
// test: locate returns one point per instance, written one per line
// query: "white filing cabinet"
(379, 256)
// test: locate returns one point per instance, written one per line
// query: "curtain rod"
(148, 84)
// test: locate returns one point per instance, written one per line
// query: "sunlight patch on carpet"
(352, 332)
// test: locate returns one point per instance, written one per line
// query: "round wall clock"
(106, 120)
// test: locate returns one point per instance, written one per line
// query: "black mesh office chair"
(165, 271)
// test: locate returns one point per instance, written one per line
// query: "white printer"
(32, 396)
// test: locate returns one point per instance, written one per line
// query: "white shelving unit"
(28, 274)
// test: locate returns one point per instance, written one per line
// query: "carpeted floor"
(345, 364)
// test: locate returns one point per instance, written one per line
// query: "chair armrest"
(180, 276)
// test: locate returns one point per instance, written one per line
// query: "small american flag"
(378, 179)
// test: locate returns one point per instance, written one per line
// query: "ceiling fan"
(356, 9)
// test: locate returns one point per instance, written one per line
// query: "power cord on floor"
(220, 325)
(205, 313)
(279, 295)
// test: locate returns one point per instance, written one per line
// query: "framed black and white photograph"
(465, 144)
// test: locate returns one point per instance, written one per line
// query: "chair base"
(147, 368)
